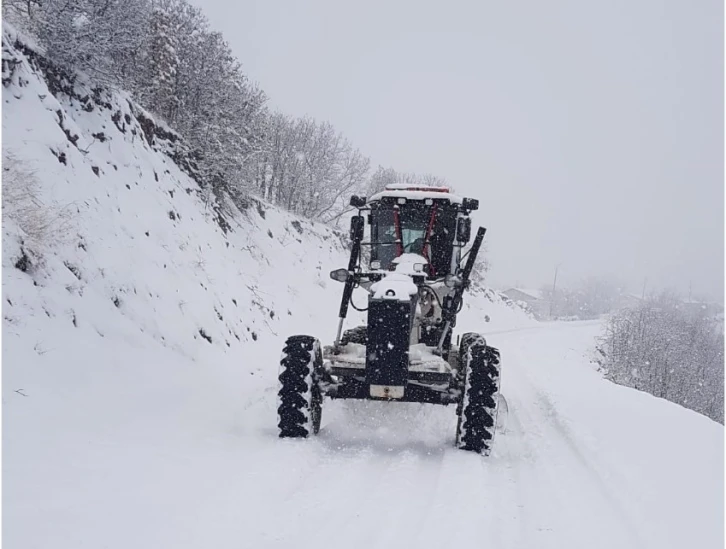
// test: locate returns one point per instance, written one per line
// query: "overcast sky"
(591, 132)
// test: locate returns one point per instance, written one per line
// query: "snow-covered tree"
(162, 64)
(310, 168)
(102, 38)
(164, 52)
(669, 352)
(380, 179)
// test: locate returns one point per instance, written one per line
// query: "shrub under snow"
(670, 352)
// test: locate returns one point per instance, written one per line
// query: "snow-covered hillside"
(141, 337)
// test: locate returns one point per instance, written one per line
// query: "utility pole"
(554, 286)
(645, 281)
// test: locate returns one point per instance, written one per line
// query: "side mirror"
(470, 204)
(357, 201)
(341, 275)
(463, 230)
(357, 225)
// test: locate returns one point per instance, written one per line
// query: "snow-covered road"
(581, 463)
(577, 466)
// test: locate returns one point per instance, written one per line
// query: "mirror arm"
(349, 285)
(449, 313)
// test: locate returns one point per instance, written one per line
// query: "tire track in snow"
(417, 491)
(515, 453)
(383, 504)
(400, 495)
(588, 465)
(575, 488)
(324, 504)
(423, 519)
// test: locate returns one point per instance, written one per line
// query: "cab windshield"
(413, 228)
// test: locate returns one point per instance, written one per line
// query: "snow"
(394, 286)
(536, 294)
(399, 285)
(410, 264)
(416, 195)
(408, 186)
(421, 358)
(125, 427)
(410, 259)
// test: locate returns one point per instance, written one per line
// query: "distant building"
(628, 301)
(533, 300)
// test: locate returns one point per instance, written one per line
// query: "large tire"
(466, 340)
(300, 399)
(478, 410)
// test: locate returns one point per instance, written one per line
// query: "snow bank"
(601, 464)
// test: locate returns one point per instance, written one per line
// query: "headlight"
(376, 265)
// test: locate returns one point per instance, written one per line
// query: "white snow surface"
(416, 195)
(124, 427)
(537, 294)
(408, 260)
(398, 285)
(395, 286)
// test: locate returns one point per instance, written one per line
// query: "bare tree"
(387, 176)
(309, 168)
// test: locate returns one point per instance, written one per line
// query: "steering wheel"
(417, 244)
